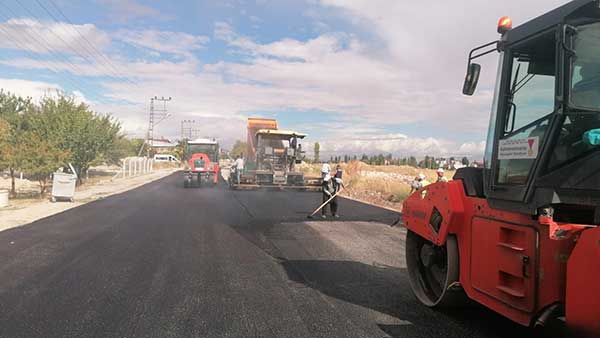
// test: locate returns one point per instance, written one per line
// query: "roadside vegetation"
(37, 138)
(382, 185)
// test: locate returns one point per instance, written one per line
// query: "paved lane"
(163, 261)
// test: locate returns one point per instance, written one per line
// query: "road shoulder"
(21, 214)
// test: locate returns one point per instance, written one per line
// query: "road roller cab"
(521, 235)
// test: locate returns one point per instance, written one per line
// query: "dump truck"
(201, 164)
(271, 158)
(522, 234)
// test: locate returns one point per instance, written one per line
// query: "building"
(162, 146)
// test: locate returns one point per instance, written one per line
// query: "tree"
(180, 150)
(465, 161)
(412, 161)
(88, 137)
(239, 148)
(5, 150)
(317, 151)
(43, 158)
(12, 109)
(122, 148)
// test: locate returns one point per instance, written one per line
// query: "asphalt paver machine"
(522, 234)
(271, 159)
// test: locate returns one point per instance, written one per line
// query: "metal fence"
(134, 166)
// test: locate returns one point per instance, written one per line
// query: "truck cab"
(522, 234)
(202, 162)
(543, 142)
(276, 155)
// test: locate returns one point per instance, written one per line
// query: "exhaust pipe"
(552, 312)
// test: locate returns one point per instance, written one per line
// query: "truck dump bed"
(254, 125)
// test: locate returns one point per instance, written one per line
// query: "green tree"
(5, 133)
(12, 110)
(239, 149)
(412, 161)
(43, 158)
(180, 149)
(122, 147)
(88, 137)
(317, 151)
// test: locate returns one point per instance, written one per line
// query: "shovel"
(325, 203)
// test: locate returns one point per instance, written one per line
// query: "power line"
(73, 26)
(88, 42)
(92, 51)
(53, 33)
(187, 127)
(31, 39)
(110, 68)
(47, 46)
(156, 116)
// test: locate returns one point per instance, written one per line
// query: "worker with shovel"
(330, 188)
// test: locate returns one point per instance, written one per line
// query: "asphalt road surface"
(164, 261)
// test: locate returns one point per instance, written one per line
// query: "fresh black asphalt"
(164, 261)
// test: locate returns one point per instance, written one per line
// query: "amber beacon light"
(504, 24)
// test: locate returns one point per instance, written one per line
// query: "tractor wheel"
(433, 271)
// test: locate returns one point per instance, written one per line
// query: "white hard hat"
(421, 176)
(325, 168)
(440, 170)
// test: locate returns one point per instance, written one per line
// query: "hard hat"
(325, 168)
(440, 170)
(421, 176)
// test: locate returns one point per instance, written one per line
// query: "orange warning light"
(504, 24)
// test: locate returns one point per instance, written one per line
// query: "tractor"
(201, 162)
(522, 234)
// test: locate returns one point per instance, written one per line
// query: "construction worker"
(338, 184)
(440, 175)
(419, 182)
(239, 167)
(338, 171)
(325, 170)
(329, 190)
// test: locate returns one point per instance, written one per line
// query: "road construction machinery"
(271, 158)
(521, 235)
(201, 164)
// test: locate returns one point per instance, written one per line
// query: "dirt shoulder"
(385, 186)
(21, 212)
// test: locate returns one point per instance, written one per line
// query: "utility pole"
(187, 129)
(157, 115)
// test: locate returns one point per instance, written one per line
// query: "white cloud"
(397, 145)
(32, 89)
(407, 67)
(46, 37)
(163, 41)
(123, 11)
(472, 148)
(400, 146)
(38, 89)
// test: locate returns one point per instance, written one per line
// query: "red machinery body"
(202, 162)
(200, 165)
(508, 261)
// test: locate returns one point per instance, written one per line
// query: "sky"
(358, 76)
